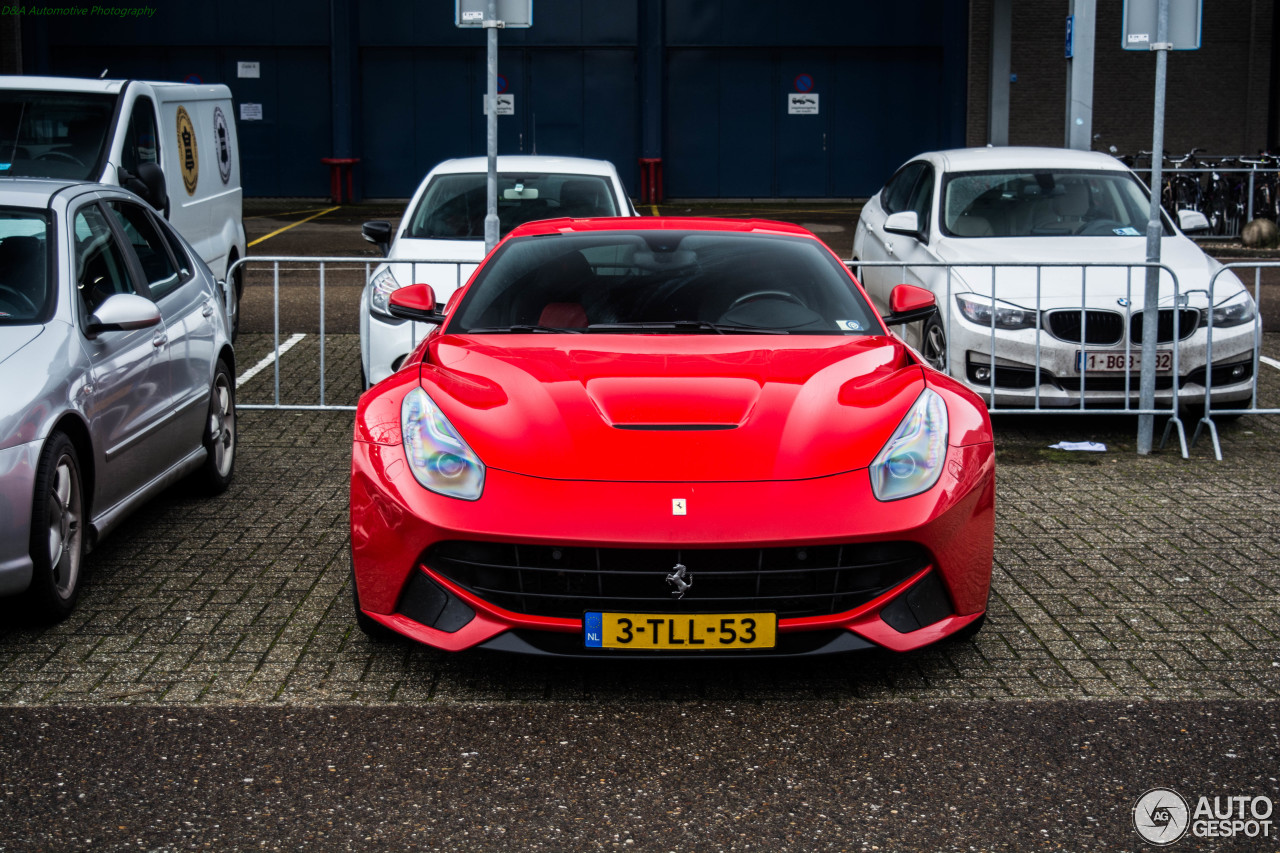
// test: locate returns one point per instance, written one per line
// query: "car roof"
(1020, 157)
(528, 163)
(659, 223)
(38, 192)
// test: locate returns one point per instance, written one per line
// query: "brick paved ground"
(1116, 576)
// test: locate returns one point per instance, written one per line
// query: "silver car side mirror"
(122, 312)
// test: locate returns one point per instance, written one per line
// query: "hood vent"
(676, 427)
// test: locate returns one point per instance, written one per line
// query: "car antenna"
(103, 74)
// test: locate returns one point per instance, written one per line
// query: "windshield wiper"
(523, 327)
(685, 326)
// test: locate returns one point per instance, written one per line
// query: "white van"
(174, 144)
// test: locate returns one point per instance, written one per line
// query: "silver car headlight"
(380, 290)
(911, 460)
(1236, 311)
(440, 459)
(978, 309)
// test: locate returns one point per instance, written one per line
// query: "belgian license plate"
(680, 632)
(1112, 361)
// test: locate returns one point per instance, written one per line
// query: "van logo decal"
(188, 152)
(223, 140)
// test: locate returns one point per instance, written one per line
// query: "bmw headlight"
(911, 460)
(1235, 311)
(380, 290)
(978, 309)
(440, 459)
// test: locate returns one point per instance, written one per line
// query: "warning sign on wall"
(802, 104)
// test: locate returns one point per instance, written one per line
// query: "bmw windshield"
(1044, 203)
(695, 282)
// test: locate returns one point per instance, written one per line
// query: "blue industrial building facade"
(706, 87)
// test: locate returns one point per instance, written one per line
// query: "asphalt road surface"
(896, 776)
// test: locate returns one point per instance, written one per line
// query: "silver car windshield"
(664, 282)
(453, 207)
(26, 296)
(1044, 203)
(53, 134)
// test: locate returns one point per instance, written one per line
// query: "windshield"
(25, 293)
(453, 207)
(658, 282)
(53, 134)
(1044, 204)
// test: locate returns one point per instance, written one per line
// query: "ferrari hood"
(1061, 286)
(672, 408)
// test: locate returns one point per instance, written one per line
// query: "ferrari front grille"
(797, 581)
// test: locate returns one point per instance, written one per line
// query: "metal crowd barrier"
(1132, 384)
(322, 263)
(946, 304)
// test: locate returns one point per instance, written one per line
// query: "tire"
(933, 344)
(373, 629)
(220, 433)
(57, 530)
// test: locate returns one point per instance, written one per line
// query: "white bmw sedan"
(441, 237)
(1011, 222)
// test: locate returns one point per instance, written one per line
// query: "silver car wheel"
(222, 426)
(65, 512)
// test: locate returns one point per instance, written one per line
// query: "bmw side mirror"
(905, 222)
(415, 302)
(378, 232)
(908, 303)
(122, 312)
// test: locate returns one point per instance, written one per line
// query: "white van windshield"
(53, 134)
(453, 207)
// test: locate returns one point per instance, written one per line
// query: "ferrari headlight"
(911, 460)
(380, 290)
(1235, 311)
(978, 309)
(440, 459)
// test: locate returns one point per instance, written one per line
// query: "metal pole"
(491, 25)
(1155, 230)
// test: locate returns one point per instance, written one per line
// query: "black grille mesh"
(566, 581)
(1100, 327)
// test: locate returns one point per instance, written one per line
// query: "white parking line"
(268, 360)
(1270, 361)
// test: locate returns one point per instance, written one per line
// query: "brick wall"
(1218, 97)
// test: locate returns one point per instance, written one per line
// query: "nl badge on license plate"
(684, 632)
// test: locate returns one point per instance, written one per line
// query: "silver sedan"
(116, 366)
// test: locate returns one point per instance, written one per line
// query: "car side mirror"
(152, 176)
(122, 312)
(903, 222)
(415, 302)
(908, 303)
(378, 232)
(1192, 222)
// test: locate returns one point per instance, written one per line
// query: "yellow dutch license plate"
(683, 632)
